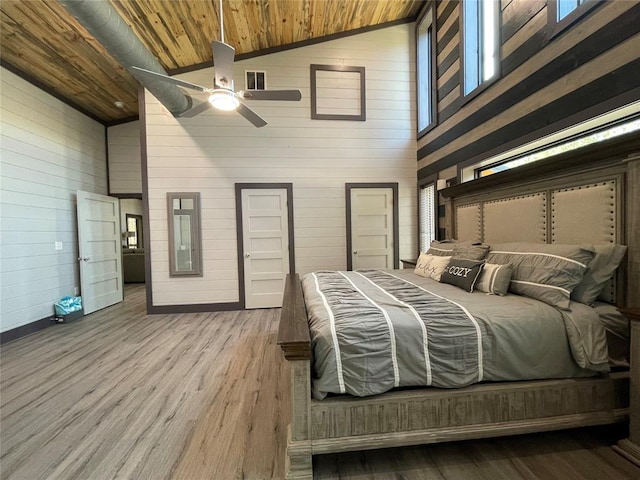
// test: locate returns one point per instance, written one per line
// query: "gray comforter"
(375, 330)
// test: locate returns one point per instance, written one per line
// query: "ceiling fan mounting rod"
(221, 23)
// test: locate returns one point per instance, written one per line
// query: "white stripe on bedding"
(425, 340)
(493, 277)
(542, 254)
(473, 320)
(543, 285)
(334, 336)
(392, 335)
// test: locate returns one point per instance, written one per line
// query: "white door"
(371, 228)
(265, 226)
(99, 250)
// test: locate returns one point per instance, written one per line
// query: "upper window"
(565, 7)
(621, 121)
(480, 42)
(425, 52)
(562, 13)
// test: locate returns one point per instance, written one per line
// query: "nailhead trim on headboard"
(510, 210)
(469, 222)
(586, 213)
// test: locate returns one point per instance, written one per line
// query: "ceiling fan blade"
(199, 108)
(250, 115)
(149, 74)
(285, 95)
(223, 56)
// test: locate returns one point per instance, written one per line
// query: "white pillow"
(431, 266)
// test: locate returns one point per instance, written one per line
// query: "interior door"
(99, 250)
(372, 228)
(265, 238)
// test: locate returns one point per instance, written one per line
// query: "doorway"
(372, 225)
(265, 242)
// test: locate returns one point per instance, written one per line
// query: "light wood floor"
(120, 394)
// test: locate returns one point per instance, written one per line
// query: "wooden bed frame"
(431, 415)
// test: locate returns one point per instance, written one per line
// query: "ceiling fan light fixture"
(224, 100)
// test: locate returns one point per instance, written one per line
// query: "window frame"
(431, 87)
(497, 40)
(556, 27)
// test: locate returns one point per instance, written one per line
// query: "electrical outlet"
(76, 291)
(58, 245)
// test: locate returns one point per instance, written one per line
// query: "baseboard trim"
(195, 308)
(24, 330)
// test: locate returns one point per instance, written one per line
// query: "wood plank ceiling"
(41, 41)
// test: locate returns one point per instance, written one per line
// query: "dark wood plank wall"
(546, 82)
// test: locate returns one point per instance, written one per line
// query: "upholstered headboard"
(585, 208)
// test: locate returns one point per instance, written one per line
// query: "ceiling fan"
(222, 96)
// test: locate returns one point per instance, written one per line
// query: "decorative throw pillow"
(462, 273)
(494, 279)
(601, 269)
(547, 272)
(431, 266)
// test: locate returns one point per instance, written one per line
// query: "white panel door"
(99, 250)
(371, 228)
(265, 226)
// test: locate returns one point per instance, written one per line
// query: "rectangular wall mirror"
(185, 246)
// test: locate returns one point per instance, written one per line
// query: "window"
(563, 13)
(425, 54)
(133, 235)
(255, 80)
(565, 7)
(427, 214)
(568, 145)
(480, 42)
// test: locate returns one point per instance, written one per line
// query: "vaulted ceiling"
(42, 42)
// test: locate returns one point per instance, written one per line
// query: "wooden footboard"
(429, 415)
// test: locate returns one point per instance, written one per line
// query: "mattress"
(375, 330)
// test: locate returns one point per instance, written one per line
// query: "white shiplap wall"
(212, 152)
(125, 169)
(48, 151)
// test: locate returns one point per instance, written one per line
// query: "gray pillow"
(494, 279)
(470, 252)
(462, 273)
(601, 269)
(443, 248)
(547, 272)
(451, 248)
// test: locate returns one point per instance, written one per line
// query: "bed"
(414, 402)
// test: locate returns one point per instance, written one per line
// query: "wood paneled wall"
(211, 152)
(49, 150)
(125, 166)
(546, 81)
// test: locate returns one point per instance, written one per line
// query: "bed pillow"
(431, 266)
(494, 279)
(546, 272)
(601, 269)
(443, 248)
(470, 252)
(462, 273)
(467, 250)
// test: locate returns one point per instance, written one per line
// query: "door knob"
(247, 255)
(83, 259)
(355, 252)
